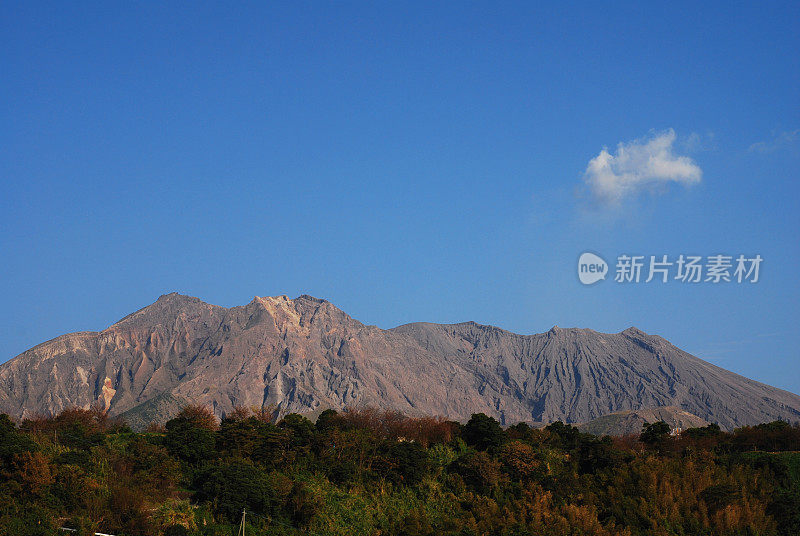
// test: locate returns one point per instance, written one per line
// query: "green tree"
(654, 434)
(12, 441)
(233, 485)
(328, 420)
(189, 439)
(409, 463)
(563, 435)
(711, 430)
(300, 428)
(483, 432)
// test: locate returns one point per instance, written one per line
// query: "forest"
(371, 472)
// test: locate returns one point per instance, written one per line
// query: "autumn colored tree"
(520, 460)
(478, 470)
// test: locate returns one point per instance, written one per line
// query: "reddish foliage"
(391, 424)
(200, 416)
(32, 471)
(266, 414)
(92, 420)
(628, 442)
(155, 428)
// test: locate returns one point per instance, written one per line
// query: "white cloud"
(643, 164)
(784, 139)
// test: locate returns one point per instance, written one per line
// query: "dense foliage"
(380, 473)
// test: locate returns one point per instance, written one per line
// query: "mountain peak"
(167, 305)
(175, 296)
(296, 310)
(633, 331)
(286, 299)
(306, 297)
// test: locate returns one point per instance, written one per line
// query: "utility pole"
(241, 526)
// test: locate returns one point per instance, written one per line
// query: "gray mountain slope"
(631, 421)
(305, 354)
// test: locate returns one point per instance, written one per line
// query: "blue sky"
(407, 163)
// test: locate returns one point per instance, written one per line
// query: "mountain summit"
(305, 354)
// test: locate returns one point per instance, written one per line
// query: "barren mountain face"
(631, 421)
(304, 355)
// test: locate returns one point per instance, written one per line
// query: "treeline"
(369, 472)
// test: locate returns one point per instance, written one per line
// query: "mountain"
(304, 355)
(631, 421)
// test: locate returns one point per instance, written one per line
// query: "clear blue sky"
(407, 163)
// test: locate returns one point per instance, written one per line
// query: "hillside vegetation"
(380, 473)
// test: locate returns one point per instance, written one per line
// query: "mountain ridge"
(304, 354)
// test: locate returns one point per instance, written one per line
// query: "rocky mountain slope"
(305, 354)
(631, 421)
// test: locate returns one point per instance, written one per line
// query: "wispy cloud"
(644, 164)
(696, 143)
(779, 141)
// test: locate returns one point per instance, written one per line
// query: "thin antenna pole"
(241, 526)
